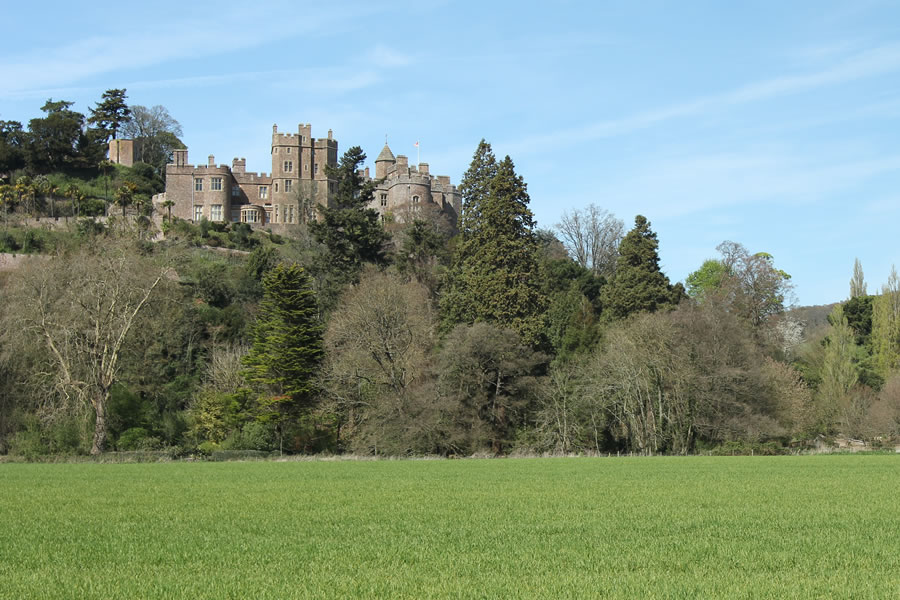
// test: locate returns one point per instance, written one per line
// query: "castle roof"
(386, 154)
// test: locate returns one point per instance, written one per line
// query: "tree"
(707, 279)
(492, 278)
(12, 146)
(474, 188)
(377, 345)
(858, 281)
(351, 232)
(111, 113)
(755, 288)
(287, 344)
(488, 373)
(83, 308)
(886, 326)
(592, 237)
(748, 284)
(156, 134)
(639, 284)
(53, 139)
(839, 374)
(125, 195)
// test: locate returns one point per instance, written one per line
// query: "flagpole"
(417, 154)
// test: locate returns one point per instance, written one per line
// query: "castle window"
(415, 199)
(198, 184)
(288, 150)
(252, 216)
(288, 185)
(275, 150)
(215, 212)
(317, 168)
(236, 191)
(216, 184)
(290, 213)
(263, 192)
(276, 187)
(288, 166)
(384, 199)
(306, 167)
(198, 212)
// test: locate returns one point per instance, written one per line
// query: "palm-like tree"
(7, 198)
(125, 195)
(25, 191)
(73, 193)
(168, 204)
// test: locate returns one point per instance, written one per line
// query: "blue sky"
(773, 124)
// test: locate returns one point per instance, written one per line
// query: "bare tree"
(83, 307)
(592, 237)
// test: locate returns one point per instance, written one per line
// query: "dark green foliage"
(639, 284)
(493, 277)
(287, 339)
(858, 311)
(422, 251)
(110, 113)
(53, 139)
(351, 233)
(12, 146)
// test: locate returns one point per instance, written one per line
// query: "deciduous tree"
(83, 307)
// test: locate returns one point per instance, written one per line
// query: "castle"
(298, 183)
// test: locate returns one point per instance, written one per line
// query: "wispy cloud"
(35, 71)
(876, 61)
(686, 185)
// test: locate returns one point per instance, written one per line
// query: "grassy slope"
(799, 527)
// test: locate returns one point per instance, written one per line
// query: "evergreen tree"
(474, 187)
(639, 284)
(287, 342)
(493, 278)
(111, 113)
(351, 232)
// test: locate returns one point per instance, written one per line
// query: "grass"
(779, 527)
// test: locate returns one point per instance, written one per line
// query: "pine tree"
(287, 341)
(639, 284)
(111, 113)
(493, 277)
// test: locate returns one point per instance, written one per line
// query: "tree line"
(412, 338)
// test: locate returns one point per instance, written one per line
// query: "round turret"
(384, 161)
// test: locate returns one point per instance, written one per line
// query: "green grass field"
(779, 527)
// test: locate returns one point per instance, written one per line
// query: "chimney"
(212, 161)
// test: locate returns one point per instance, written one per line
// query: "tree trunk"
(99, 427)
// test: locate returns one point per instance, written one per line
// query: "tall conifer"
(494, 273)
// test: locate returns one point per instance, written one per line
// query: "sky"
(773, 124)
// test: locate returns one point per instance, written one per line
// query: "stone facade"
(121, 152)
(298, 183)
(403, 192)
